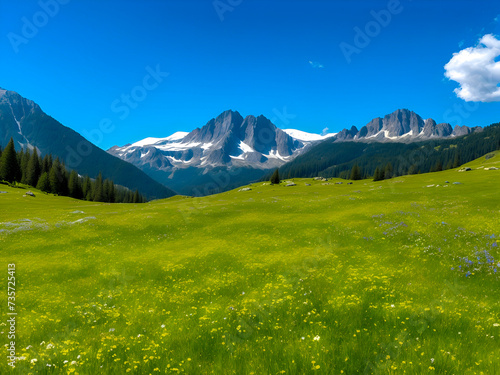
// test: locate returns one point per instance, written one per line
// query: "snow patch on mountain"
(177, 146)
(274, 154)
(307, 137)
(20, 131)
(146, 142)
(177, 136)
(245, 148)
(150, 141)
(206, 146)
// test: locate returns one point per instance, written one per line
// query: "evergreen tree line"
(275, 178)
(357, 160)
(51, 176)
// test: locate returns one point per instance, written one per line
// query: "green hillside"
(391, 277)
(49, 136)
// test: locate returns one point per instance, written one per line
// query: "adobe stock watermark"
(460, 112)
(31, 26)
(11, 315)
(282, 117)
(122, 107)
(223, 6)
(364, 36)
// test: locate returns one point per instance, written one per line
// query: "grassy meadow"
(393, 277)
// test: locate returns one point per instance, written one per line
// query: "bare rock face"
(464, 130)
(216, 129)
(402, 125)
(230, 142)
(371, 129)
(429, 127)
(402, 122)
(443, 130)
(346, 135)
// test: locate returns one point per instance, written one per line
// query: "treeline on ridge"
(51, 176)
(386, 160)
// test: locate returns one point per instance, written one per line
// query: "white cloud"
(476, 71)
(325, 131)
(316, 64)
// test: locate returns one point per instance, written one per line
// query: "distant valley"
(228, 151)
(231, 150)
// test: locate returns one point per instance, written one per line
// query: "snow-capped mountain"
(402, 125)
(233, 141)
(226, 141)
(151, 141)
(307, 137)
(228, 144)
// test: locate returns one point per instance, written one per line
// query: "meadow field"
(393, 277)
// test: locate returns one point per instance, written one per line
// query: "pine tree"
(111, 193)
(9, 166)
(378, 175)
(23, 159)
(388, 171)
(53, 178)
(64, 179)
(275, 178)
(136, 198)
(40, 163)
(33, 170)
(355, 173)
(47, 163)
(74, 186)
(106, 190)
(90, 195)
(19, 156)
(125, 197)
(44, 183)
(87, 188)
(456, 161)
(57, 178)
(382, 174)
(98, 189)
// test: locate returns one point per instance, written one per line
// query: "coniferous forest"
(50, 175)
(354, 160)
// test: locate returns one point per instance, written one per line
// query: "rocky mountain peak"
(401, 125)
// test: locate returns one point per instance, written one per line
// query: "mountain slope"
(402, 125)
(231, 150)
(29, 126)
(227, 152)
(332, 158)
(226, 141)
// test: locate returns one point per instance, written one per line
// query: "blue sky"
(281, 59)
